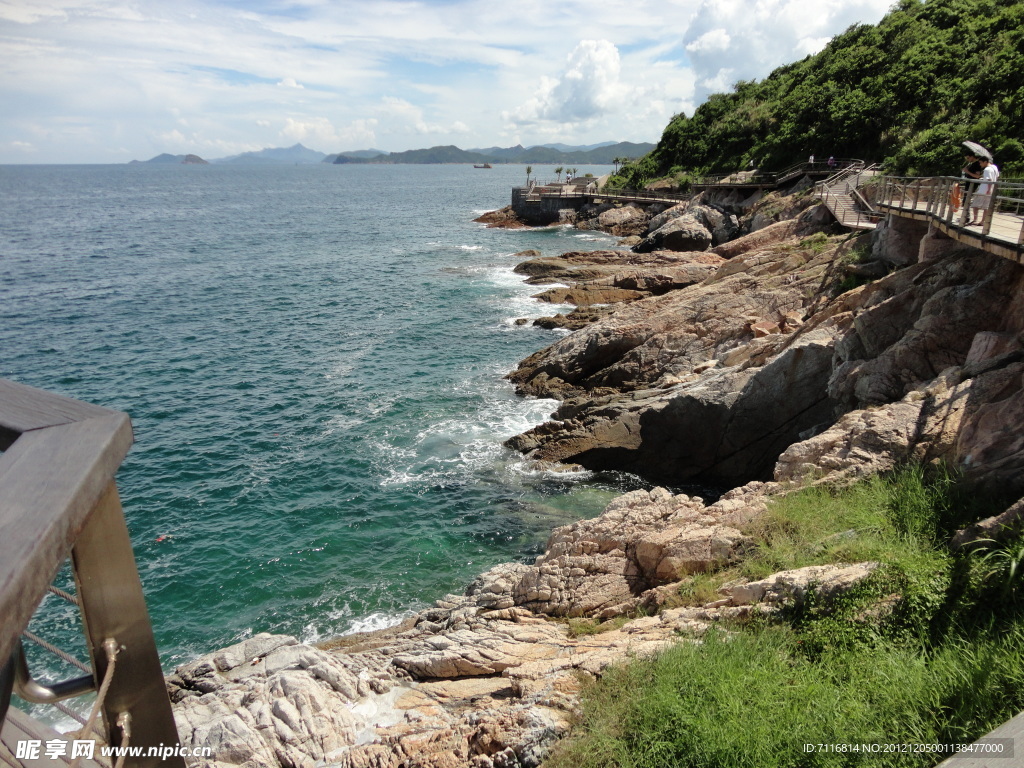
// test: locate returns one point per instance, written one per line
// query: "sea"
(313, 358)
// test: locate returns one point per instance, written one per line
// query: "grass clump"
(755, 700)
(929, 649)
(817, 243)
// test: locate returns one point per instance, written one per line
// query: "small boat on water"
(482, 165)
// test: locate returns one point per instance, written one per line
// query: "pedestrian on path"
(982, 199)
(970, 171)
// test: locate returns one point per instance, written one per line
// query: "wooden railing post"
(58, 498)
(113, 607)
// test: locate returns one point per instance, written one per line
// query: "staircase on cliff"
(841, 195)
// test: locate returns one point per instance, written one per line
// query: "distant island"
(606, 153)
(179, 159)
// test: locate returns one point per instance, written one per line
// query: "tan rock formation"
(478, 680)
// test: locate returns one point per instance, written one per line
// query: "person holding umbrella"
(983, 197)
(973, 170)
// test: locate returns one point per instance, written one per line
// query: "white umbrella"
(978, 151)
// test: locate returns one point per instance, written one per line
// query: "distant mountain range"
(293, 155)
(594, 154)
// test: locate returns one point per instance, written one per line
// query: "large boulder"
(726, 427)
(624, 221)
(670, 339)
(683, 233)
(600, 567)
(661, 219)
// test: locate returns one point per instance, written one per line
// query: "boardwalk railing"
(842, 195)
(538, 191)
(935, 198)
(58, 499)
(757, 178)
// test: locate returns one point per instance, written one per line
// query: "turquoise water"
(313, 360)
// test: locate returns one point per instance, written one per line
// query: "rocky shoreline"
(731, 345)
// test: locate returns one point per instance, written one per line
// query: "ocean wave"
(457, 449)
(530, 468)
(339, 622)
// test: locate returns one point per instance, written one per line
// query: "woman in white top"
(982, 199)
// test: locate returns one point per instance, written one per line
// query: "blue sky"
(107, 81)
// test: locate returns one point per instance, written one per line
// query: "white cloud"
(806, 46)
(82, 79)
(722, 81)
(713, 40)
(174, 139)
(732, 40)
(587, 88)
(402, 116)
(320, 132)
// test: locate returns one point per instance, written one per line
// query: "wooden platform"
(1011, 729)
(20, 727)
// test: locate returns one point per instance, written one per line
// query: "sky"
(108, 81)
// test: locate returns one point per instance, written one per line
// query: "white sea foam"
(528, 468)
(453, 449)
(339, 622)
(377, 621)
(340, 422)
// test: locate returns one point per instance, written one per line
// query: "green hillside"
(905, 92)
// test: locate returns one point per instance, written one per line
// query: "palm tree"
(617, 162)
(558, 172)
(529, 170)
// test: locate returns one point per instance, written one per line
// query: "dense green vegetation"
(906, 92)
(929, 649)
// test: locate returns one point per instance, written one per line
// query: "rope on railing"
(124, 722)
(61, 707)
(111, 649)
(62, 594)
(59, 652)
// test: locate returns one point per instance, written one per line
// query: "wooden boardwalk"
(928, 199)
(19, 727)
(626, 196)
(1009, 753)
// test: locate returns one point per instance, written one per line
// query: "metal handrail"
(844, 184)
(774, 178)
(539, 191)
(58, 498)
(933, 197)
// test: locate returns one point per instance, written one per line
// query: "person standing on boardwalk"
(983, 197)
(971, 170)
(831, 163)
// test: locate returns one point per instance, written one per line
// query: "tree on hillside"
(905, 92)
